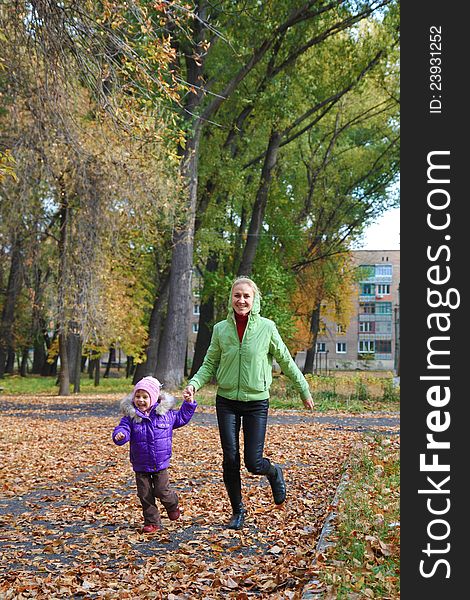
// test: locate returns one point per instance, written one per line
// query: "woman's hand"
(119, 436)
(309, 403)
(188, 393)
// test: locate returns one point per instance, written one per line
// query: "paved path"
(385, 423)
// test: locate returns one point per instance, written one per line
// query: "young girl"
(148, 425)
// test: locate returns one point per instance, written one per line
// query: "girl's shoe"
(174, 514)
(151, 528)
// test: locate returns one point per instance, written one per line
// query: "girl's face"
(242, 298)
(142, 400)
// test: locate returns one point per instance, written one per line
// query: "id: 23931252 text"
(435, 69)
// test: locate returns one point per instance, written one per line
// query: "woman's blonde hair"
(250, 282)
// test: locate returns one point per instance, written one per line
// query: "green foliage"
(391, 391)
(276, 286)
(360, 390)
(7, 165)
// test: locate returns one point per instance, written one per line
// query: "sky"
(384, 234)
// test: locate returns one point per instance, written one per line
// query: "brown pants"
(151, 486)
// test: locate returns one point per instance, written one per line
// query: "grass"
(37, 385)
(346, 393)
(363, 561)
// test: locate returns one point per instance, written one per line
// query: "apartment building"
(371, 340)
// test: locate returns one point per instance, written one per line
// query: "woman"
(240, 358)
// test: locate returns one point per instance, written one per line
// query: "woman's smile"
(242, 298)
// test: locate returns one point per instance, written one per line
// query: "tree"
(326, 289)
(321, 141)
(91, 171)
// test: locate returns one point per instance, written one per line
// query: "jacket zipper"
(239, 368)
(239, 355)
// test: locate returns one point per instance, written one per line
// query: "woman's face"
(242, 298)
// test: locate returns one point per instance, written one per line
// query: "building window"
(196, 309)
(367, 308)
(383, 270)
(383, 289)
(383, 327)
(384, 308)
(365, 326)
(366, 346)
(321, 347)
(367, 289)
(195, 327)
(383, 346)
(340, 328)
(340, 347)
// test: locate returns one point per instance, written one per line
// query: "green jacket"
(244, 370)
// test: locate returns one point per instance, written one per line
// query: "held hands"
(188, 393)
(119, 436)
(308, 403)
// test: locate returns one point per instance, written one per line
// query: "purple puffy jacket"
(151, 435)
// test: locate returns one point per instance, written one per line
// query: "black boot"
(238, 518)
(278, 485)
(234, 490)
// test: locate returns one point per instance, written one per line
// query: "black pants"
(253, 416)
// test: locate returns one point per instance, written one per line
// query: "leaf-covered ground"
(70, 521)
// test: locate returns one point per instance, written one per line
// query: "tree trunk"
(149, 367)
(39, 354)
(64, 380)
(48, 368)
(73, 352)
(314, 326)
(111, 358)
(96, 381)
(8, 312)
(94, 370)
(53, 367)
(206, 316)
(10, 363)
(24, 362)
(259, 207)
(174, 340)
(203, 335)
(91, 366)
(130, 367)
(38, 325)
(64, 377)
(77, 358)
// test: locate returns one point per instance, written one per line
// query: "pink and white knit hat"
(151, 385)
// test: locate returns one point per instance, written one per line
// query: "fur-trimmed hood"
(165, 403)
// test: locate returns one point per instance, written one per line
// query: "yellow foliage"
(327, 283)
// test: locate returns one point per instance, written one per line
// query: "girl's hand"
(188, 393)
(119, 436)
(308, 403)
